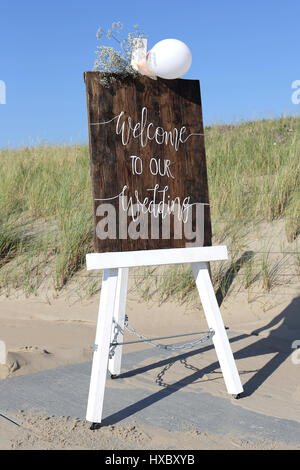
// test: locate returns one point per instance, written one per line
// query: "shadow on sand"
(279, 342)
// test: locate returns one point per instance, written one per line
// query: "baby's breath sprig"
(111, 60)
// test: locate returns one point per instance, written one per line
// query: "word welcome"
(2, 92)
(145, 132)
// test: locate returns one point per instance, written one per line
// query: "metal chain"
(170, 347)
(116, 331)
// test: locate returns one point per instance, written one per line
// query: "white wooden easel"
(113, 306)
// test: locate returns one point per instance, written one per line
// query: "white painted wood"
(114, 364)
(102, 342)
(2, 352)
(127, 259)
(214, 320)
(113, 305)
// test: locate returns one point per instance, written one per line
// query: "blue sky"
(245, 54)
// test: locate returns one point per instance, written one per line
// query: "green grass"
(46, 208)
(254, 171)
(45, 200)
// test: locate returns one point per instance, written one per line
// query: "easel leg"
(102, 345)
(114, 364)
(215, 321)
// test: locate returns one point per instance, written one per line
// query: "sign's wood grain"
(135, 129)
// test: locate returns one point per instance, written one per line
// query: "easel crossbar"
(129, 259)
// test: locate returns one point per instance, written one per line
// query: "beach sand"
(41, 335)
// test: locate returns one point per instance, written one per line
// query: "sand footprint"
(17, 359)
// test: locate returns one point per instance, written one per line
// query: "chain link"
(117, 329)
(168, 347)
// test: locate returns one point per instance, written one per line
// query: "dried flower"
(111, 60)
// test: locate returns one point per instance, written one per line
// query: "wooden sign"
(148, 165)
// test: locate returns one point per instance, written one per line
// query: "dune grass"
(46, 215)
(45, 212)
(254, 171)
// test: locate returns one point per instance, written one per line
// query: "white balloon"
(170, 58)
